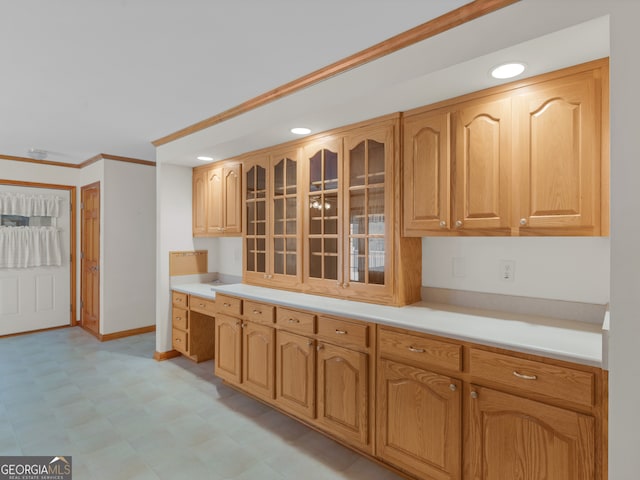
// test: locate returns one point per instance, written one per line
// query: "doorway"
(90, 258)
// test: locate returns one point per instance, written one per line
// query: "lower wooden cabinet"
(419, 420)
(228, 361)
(192, 332)
(258, 359)
(296, 374)
(512, 437)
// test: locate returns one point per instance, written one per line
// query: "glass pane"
(278, 245)
(261, 182)
(315, 257)
(261, 244)
(292, 245)
(376, 261)
(260, 260)
(331, 213)
(357, 212)
(292, 179)
(251, 262)
(260, 218)
(278, 180)
(251, 212)
(291, 207)
(331, 267)
(330, 170)
(357, 165)
(278, 216)
(376, 211)
(278, 263)
(357, 260)
(251, 183)
(331, 245)
(315, 172)
(292, 262)
(376, 161)
(315, 214)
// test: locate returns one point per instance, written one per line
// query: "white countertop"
(568, 340)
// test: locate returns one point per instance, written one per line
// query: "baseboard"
(127, 333)
(160, 356)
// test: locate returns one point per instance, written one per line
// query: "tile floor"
(122, 415)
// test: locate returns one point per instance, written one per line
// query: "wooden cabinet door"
(512, 437)
(367, 214)
(426, 171)
(256, 229)
(199, 204)
(419, 421)
(482, 164)
(258, 359)
(232, 199)
(295, 374)
(215, 196)
(343, 393)
(228, 348)
(559, 154)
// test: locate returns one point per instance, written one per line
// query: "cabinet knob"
(345, 285)
(310, 342)
(453, 387)
(474, 394)
(257, 312)
(319, 347)
(341, 332)
(415, 350)
(523, 221)
(243, 325)
(293, 320)
(178, 318)
(443, 224)
(458, 223)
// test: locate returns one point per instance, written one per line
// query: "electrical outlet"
(507, 270)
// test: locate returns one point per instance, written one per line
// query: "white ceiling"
(82, 77)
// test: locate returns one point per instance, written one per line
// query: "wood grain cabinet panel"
(192, 329)
(512, 437)
(199, 210)
(419, 421)
(228, 337)
(259, 312)
(258, 359)
(296, 374)
(202, 305)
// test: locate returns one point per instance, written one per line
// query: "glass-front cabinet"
(256, 227)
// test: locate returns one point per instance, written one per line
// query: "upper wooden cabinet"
(217, 202)
(520, 159)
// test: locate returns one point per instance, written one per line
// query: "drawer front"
(180, 318)
(206, 306)
(419, 350)
(529, 376)
(295, 320)
(179, 340)
(228, 305)
(343, 332)
(259, 312)
(179, 299)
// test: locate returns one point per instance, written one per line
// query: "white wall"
(229, 253)
(129, 246)
(570, 268)
(624, 337)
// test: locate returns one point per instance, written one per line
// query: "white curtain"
(22, 247)
(12, 203)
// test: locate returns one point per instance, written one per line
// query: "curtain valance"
(12, 203)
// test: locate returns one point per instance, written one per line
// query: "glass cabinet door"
(256, 218)
(322, 203)
(284, 213)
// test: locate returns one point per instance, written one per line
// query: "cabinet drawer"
(228, 305)
(295, 320)
(343, 332)
(179, 299)
(420, 350)
(205, 306)
(180, 318)
(259, 312)
(530, 376)
(179, 340)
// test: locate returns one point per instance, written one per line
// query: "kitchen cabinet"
(192, 322)
(217, 201)
(524, 158)
(295, 374)
(228, 359)
(419, 411)
(273, 228)
(258, 359)
(515, 437)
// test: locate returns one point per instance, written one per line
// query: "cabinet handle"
(443, 224)
(416, 350)
(452, 387)
(458, 223)
(341, 332)
(243, 325)
(238, 324)
(345, 285)
(202, 305)
(226, 305)
(257, 312)
(293, 320)
(310, 342)
(178, 340)
(319, 347)
(178, 318)
(474, 394)
(524, 377)
(523, 221)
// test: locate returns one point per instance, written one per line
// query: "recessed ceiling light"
(300, 130)
(507, 70)
(204, 158)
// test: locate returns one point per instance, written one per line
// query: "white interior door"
(38, 297)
